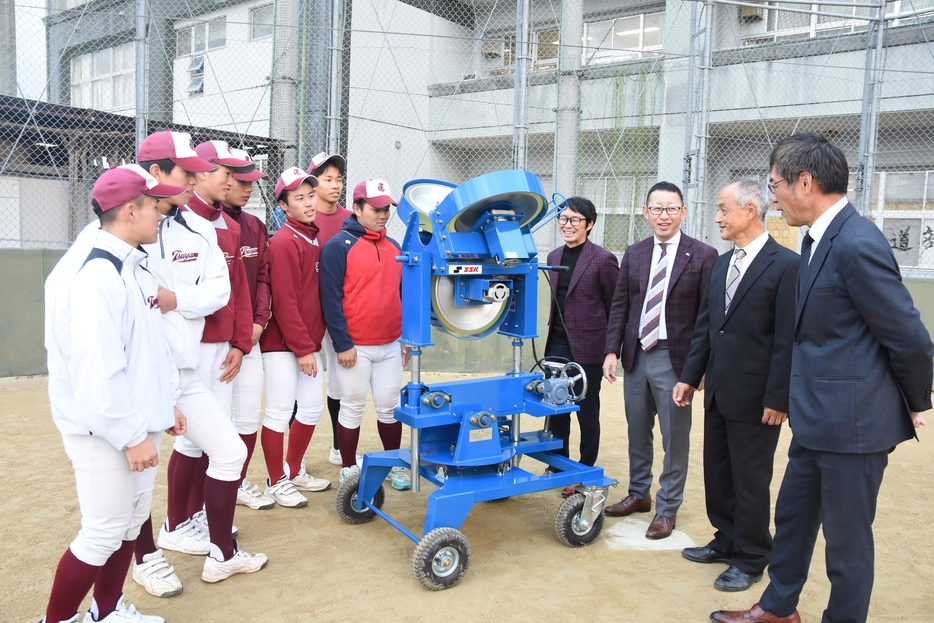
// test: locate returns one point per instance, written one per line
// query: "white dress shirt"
(752, 250)
(671, 250)
(820, 225)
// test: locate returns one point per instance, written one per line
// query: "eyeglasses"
(772, 185)
(573, 220)
(669, 210)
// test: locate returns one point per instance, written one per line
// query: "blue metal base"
(459, 488)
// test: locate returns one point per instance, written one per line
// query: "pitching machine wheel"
(441, 558)
(569, 526)
(347, 500)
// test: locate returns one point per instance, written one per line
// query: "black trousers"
(589, 415)
(738, 459)
(837, 492)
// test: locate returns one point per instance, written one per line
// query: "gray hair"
(754, 192)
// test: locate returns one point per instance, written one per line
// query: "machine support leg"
(415, 365)
(516, 429)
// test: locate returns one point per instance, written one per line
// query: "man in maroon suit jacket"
(661, 282)
(579, 312)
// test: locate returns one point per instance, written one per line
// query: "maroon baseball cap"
(374, 192)
(323, 158)
(292, 179)
(247, 173)
(120, 185)
(175, 146)
(219, 152)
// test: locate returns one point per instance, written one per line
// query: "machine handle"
(558, 269)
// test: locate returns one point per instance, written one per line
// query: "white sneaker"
(285, 494)
(347, 471)
(157, 576)
(125, 613)
(334, 458)
(216, 570)
(303, 481)
(250, 496)
(187, 538)
(73, 619)
(201, 518)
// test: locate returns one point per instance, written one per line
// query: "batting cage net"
(599, 98)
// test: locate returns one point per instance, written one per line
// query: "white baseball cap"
(291, 179)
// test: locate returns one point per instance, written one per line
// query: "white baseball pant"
(209, 429)
(285, 384)
(334, 390)
(378, 368)
(114, 501)
(247, 395)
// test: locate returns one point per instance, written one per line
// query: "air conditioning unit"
(750, 14)
(492, 49)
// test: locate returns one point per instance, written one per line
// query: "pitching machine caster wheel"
(572, 529)
(347, 500)
(441, 558)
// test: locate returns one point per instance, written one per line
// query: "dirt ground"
(322, 569)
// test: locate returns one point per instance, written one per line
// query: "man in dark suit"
(577, 325)
(742, 343)
(660, 286)
(861, 374)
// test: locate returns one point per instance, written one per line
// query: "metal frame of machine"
(470, 268)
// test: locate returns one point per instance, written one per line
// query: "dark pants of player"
(589, 415)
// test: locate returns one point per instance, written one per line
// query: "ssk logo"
(184, 256)
(247, 252)
(153, 302)
(467, 269)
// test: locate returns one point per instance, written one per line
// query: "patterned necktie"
(805, 256)
(732, 281)
(648, 333)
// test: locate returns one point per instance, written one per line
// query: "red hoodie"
(234, 322)
(254, 247)
(297, 323)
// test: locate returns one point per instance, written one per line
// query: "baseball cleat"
(334, 458)
(400, 479)
(125, 613)
(201, 519)
(250, 496)
(285, 494)
(303, 481)
(216, 569)
(157, 576)
(187, 538)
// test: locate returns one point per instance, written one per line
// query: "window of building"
(262, 21)
(623, 39)
(196, 76)
(545, 50)
(105, 79)
(774, 23)
(198, 38)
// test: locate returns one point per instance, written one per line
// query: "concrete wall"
(22, 275)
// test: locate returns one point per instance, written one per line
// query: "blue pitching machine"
(470, 268)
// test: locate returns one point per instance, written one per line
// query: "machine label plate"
(481, 434)
(466, 269)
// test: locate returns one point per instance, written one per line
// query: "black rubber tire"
(347, 497)
(566, 525)
(441, 558)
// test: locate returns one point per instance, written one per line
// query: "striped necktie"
(732, 281)
(648, 333)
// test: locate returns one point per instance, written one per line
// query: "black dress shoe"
(705, 555)
(733, 580)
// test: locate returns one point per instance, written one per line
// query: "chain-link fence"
(600, 98)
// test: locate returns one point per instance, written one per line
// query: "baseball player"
(248, 385)
(194, 283)
(228, 331)
(112, 382)
(329, 170)
(291, 343)
(360, 281)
